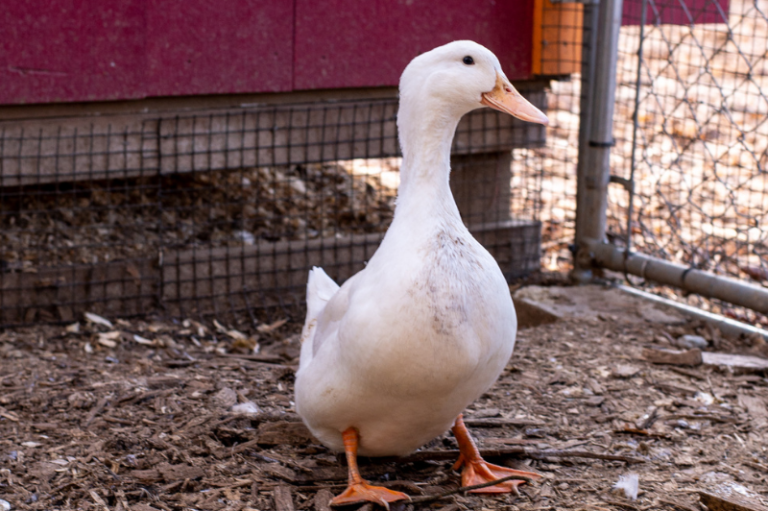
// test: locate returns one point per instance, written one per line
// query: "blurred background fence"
(696, 153)
(221, 212)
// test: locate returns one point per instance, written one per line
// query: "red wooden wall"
(353, 43)
(101, 50)
(86, 50)
(675, 12)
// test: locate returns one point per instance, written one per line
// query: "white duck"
(390, 359)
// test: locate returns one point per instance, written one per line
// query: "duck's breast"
(444, 315)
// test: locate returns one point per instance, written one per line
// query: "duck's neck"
(425, 139)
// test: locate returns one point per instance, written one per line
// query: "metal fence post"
(601, 36)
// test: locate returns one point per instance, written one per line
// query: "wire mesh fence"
(697, 75)
(553, 184)
(222, 213)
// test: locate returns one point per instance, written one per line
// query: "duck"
(391, 358)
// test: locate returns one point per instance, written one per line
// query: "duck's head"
(460, 77)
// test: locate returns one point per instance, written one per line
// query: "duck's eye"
(469, 60)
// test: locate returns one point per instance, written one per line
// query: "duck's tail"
(320, 289)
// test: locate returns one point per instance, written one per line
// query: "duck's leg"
(478, 471)
(358, 489)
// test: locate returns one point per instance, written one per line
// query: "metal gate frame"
(592, 250)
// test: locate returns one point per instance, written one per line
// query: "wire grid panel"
(220, 212)
(545, 176)
(701, 144)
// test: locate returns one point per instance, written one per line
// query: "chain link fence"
(696, 74)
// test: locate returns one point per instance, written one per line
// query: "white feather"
(630, 483)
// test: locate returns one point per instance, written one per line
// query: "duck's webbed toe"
(364, 492)
(478, 471)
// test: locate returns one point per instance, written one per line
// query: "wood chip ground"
(149, 425)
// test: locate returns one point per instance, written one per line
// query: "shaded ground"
(140, 416)
(99, 221)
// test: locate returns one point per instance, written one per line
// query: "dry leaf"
(141, 340)
(98, 320)
(265, 329)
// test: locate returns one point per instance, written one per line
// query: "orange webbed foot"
(359, 490)
(478, 471)
(364, 492)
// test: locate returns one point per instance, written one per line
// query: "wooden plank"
(39, 151)
(263, 274)
(223, 280)
(63, 294)
(480, 186)
(736, 363)
(279, 136)
(45, 151)
(266, 274)
(730, 502)
(673, 357)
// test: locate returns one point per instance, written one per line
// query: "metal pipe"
(683, 277)
(727, 326)
(590, 18)
(581, 271)
(594, 153)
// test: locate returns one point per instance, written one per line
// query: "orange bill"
(505, 98)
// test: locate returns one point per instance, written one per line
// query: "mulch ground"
(155, 414)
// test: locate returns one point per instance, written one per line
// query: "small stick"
(522, 451)
(103, 402)
(237, 449)
(621, 504)
(498, 422)
(266, 359)
(448, 493)
(143, 396)
(62, 487)
(676, 504)
(8, 415)
(702, 417)
(686, 372)
(756, 466)
(179, 363)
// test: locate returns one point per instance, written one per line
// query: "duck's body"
(391, 358)
(405, 345)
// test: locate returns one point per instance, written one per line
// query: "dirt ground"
(155, 414)
(99, 221)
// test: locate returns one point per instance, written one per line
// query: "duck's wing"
(320, 289)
